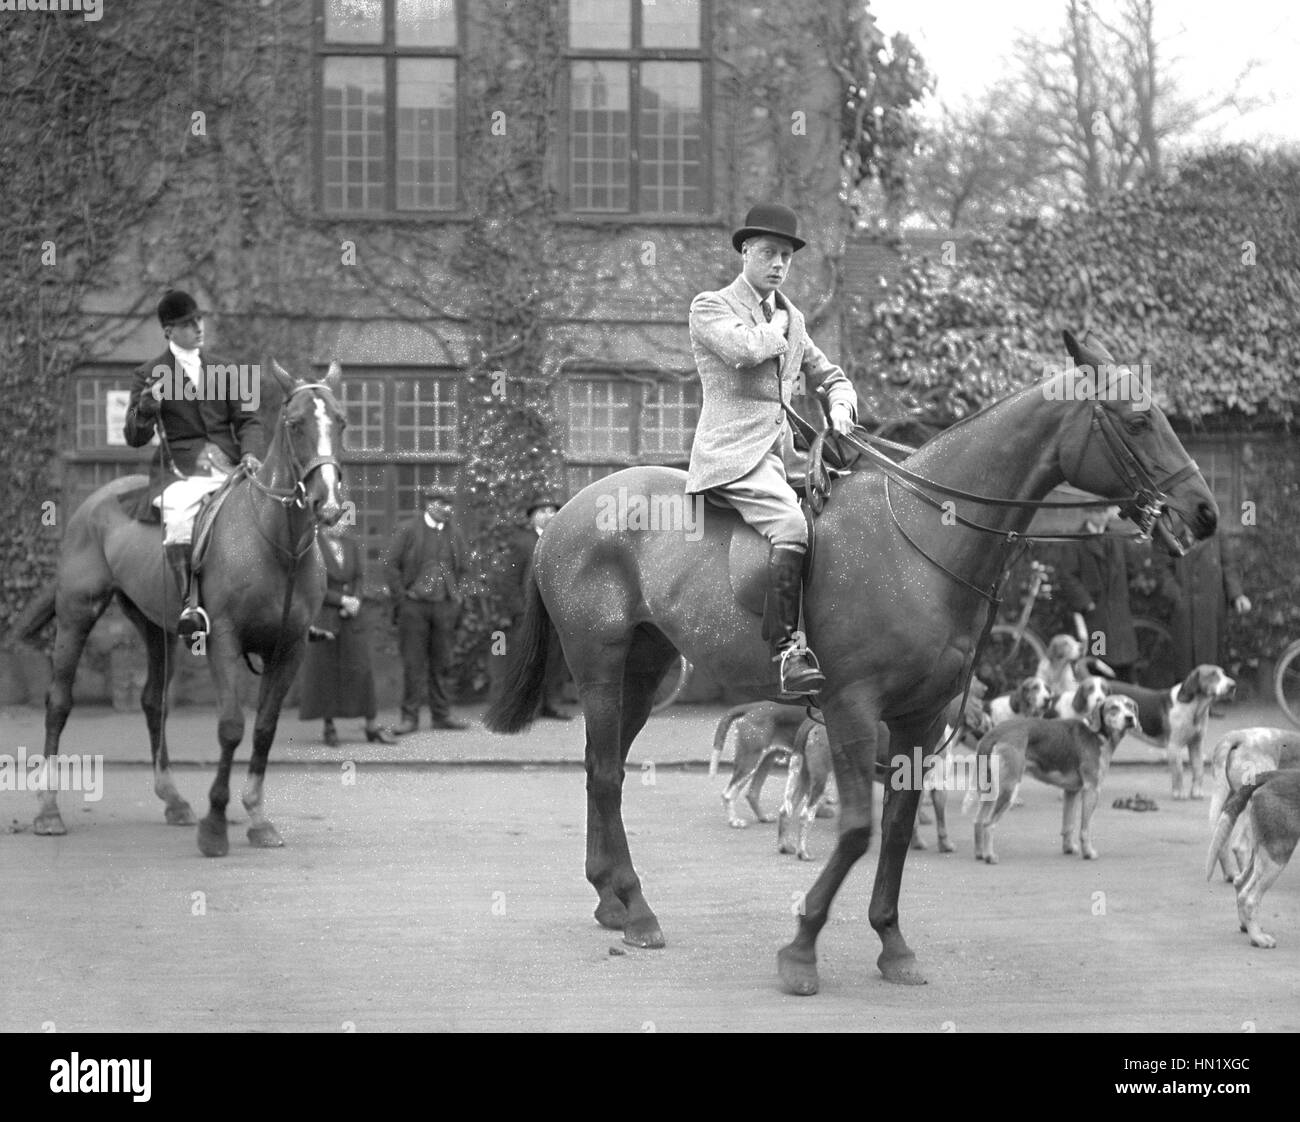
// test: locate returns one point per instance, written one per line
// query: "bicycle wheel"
(1009, 658)
(1154, 667)
(672, 684)
(1286, 682)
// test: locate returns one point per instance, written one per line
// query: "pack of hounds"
(1060, 726)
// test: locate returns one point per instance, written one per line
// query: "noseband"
(296, 495)
(1148, 498)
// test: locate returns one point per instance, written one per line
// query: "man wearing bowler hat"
(426, 569)
(751, 346)
(200, 439)
(517, 570)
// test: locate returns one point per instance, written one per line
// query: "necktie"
(767, 311)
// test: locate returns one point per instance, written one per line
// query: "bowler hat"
(540, 501)
(440, 494)
(176, 307)
(769, 218)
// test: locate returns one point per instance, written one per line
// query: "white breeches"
(179, 505)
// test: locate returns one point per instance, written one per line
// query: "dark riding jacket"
(189, 425)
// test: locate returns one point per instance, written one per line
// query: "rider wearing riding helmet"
(203, 429)
(751, 348)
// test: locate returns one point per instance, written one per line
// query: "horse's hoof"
(798, 971)
(612, 914)
(265, 836)
(180, 814)
(945, 846)
(212, 838)
(902, 970)
(49, 825)
(644, 934)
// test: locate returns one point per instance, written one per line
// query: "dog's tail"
(1228, 819)
(985, 748)
(1220, 785)
(723, 730)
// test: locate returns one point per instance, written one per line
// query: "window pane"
(600, 418)
(363, 405)
(353, 134)
(671, 132)
(426, 134)
(670, 23)
(413, 478)
(599, 127)
(669, 413)
(427, 418)
(354, 21)
(601, 23)
(426, 23)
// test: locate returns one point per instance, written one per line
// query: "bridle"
(296, 494)
(1144, 504)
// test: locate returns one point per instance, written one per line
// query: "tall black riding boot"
(799, 670)
(193, 619)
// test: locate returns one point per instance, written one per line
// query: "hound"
(1057, 668)
(762, 734)
(1241, 757)
(1071, 754)
(1029, 699)
(1273, 805)
(1082, 700)
(1176, 718)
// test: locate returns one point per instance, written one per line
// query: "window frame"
(583, 463)
(634, 56)
(390, 54)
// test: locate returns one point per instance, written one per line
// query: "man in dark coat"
(517, 570)
(1093, 578)
(337, 677)
(1209, 582)
(204, 428)
(426, 568)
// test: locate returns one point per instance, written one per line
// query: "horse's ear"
(334, 378)
(283, 378)
(1095, 345)
(1084, 355)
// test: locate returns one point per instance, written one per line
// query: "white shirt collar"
(190, 362)
(428, 521)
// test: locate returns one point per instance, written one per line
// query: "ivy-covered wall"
(215, 152)
(1196, 277)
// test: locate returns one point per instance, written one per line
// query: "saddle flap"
(747, 556)
(207, 515)
(747, 568)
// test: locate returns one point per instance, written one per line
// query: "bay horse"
(901, 585)
(263, 581)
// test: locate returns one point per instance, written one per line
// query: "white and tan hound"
(1175, 719)
(1073, 754)
(1272, 807)
(1241, 757)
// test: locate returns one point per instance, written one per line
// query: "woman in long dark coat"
(337, 679)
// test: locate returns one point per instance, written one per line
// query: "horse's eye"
(1137, 422)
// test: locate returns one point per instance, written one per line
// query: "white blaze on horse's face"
(331, 509)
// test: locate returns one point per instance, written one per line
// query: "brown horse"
(899, 591)
(263, 580)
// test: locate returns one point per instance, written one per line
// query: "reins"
(1143, 506)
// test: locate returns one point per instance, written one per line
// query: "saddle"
(207, 516)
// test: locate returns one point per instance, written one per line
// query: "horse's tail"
(1228, 819)
(29, 622)
(524, 682)
(723, 730)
